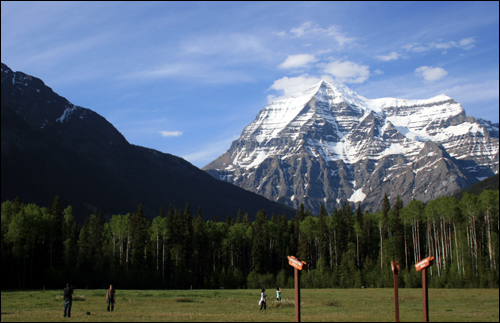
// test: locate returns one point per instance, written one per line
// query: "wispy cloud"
(223, 44)
(431, 74)
(210, 151)
(294, 61)
(392, 56)
(464, 43)
(195, 71)
(345, 71)
(334, 32)
(170, 133)
(474, 92)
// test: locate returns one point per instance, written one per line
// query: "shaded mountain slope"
(52, 147)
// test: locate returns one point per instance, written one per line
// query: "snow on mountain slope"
(347, 141)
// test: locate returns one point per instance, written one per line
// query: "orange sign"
(294, 262)
(424, 263)
(395, 267)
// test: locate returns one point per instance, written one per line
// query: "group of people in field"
(68, 299)
(263, 296)
(110, 298)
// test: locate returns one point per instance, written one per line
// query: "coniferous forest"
(43, 247)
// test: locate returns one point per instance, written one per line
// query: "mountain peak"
(328, 144)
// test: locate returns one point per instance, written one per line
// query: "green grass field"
(461, 305)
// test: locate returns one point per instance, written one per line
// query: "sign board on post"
(424, 263)
(294, 262)
(422, 266)
(395, 267)
(297, 265)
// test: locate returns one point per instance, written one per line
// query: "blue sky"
(185, 78)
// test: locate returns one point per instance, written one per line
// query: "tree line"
(178, 249)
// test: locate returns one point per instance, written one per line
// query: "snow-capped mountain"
(328, 145)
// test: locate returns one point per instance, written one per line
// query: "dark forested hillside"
(51, 147)
(490, 183)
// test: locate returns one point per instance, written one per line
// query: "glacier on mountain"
(345, 138)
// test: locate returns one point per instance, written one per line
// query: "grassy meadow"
(369, 305)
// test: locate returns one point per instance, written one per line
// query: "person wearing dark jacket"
(68, 299)
(110, 298)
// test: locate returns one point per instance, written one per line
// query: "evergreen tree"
(55, 211)
(200, 259)
(139, 235)
(70, 238)
(359, 214)
(398, 232)
(187, 245)
(383, 224)
(323, 234)
(239, 217)
(84, 258)
(293, 237)
(259, 247)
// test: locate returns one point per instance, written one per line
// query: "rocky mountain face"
(328, 145)
(52, 147)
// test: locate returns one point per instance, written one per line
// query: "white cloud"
(336, 71)
(170, 133)
(431, 74)
(294, 61)
(302, 29)
(389, 57)
(467, 43)
(347, 71)
(292, 85)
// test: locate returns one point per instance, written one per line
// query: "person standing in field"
(68, 299)
(278, 294)
(262, 302)
(110, 298)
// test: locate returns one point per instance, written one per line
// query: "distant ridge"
(491, 183)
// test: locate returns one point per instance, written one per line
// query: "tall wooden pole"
(297, 294)
(425, 296)
(396, 297)
(297, 265)
(422, 266)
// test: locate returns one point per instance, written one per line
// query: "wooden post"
(395, 270)
(297, 295)
(422, 266)
(298, 266)
(426, 295)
